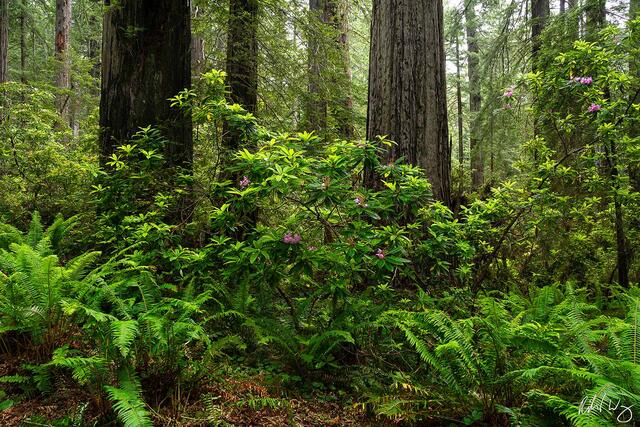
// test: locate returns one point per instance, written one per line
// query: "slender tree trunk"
(342, 101)
(242, 56)
(317, 105)
(23, 41)
(63, 57)
(197, 47)
(573, 20)
(94, 47)
(595, 11)
(145, 61)
(407, 89)
(634, 68)
(475, 97)
(460, 106)
(4, 40)
(563, 6)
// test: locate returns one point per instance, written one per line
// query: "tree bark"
(146, 61)
(62, 53)
(4, 40)
(242, 56)
(407, 89)
(475, 97)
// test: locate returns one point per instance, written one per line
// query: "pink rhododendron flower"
(291, 239)
(358, 200)
(244, 182)
(594, 107)
(508, 93)
(380, 253)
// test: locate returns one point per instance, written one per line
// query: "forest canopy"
(319, 213)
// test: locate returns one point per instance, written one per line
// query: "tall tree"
(197, 46)
(4, 39)
(459, 105)
(242, 57)
(23, 41)
(317, 104)
(342, 101)
(475, 95)
(539, 16)
(145, 61)
(63, 57)
(596, 15)
(407, 88)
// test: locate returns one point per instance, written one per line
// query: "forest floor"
(220, 402)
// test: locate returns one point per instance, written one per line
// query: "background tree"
(407, 89)
(475, 95)
(539, 16)
(242, 54)
(63, 54)
(4, 40)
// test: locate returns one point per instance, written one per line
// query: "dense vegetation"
(241, 254)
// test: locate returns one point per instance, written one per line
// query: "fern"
(127, 401)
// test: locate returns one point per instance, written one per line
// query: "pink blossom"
(290, 239)
(380, 253)
(586, 80)
(244, 182)
(508, 93)
(594, 107)
(358, 200)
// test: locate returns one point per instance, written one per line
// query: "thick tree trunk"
(407, 89)
(317, 104)
(4, 40)
(63, 57)
(242, 56)
(475, 97)
(145, 61)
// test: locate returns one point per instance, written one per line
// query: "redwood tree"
(4, 39)
(475, 97)
(407, 88)
(63, 77)
(242, 53)
(145, 61)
